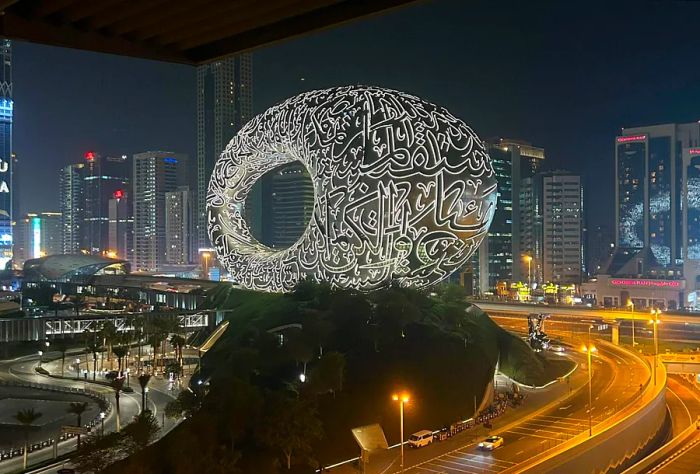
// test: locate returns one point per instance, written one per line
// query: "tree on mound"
(296, 372)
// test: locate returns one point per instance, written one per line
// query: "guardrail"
(50, 442)
(615, 442)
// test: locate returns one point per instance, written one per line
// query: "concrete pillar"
(615, 333)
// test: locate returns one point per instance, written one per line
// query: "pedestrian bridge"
(681, 363)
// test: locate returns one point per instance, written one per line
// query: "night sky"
(563, 75)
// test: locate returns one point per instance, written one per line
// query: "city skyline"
(151, 105)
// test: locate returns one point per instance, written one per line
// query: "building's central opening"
(279, 206)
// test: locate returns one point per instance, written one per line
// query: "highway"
(22, 370)
(615, 384)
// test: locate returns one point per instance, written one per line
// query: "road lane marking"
(482, 456)
(564, 408)
(477, 461)
(462, 465)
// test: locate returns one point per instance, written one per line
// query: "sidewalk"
(536, 401)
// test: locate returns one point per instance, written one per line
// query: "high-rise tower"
(72, 197)
(649, 182)
(224, 105)
(6, 156)
(156, 173)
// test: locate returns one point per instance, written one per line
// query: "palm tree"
(78, 408)
(95, 348)
(138, 324)
(117, 384)
(178, 342)
(143, 382)
(26, 418)
(120, 352)
(109, 335)
(62, 347)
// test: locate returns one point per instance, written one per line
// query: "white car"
(420, 439)
(491, 443)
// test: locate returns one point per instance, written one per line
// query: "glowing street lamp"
(630, 304)
(403, 398)
(102, 420)
(655, 321)
(589, 349)
(528, 259)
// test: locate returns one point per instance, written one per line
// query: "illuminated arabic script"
(404, 191)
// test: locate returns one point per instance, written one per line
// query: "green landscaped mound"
(355, 350)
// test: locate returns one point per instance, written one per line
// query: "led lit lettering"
(631, 138)
(404, 191)
(646, 283)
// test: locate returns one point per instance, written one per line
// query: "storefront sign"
(645, 283)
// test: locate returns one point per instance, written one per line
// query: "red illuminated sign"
(646, 283)
(90, 155)
(631, 138)
(694, 151)
(118, 194)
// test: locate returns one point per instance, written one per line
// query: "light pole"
(402, 399)
(41, 354)
(77, 369)
(145, 403)
(655, 321)
(528, 259)
(205, 256)
(102, 420)
(630, 304)
(589, 349)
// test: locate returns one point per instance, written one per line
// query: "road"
(615, 384)
(22, 370)
(684, 405)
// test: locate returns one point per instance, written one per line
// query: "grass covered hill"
(354, 350)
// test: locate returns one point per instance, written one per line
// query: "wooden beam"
(228, 25)
(290, 27)
(86, 10)
(7, 3)
(15, 27)
(189, 19)
(48, 7)
(175, 16)
(125, 12)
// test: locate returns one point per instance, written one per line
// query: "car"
(491, 443)
(420, 439)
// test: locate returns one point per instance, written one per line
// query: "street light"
(402, 399)
(655, 321)
(528, 259)
(589, 349)
(102, 420)
(41, 353)
(630, 304)
(146, 399)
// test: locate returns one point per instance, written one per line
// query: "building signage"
(694, 151)
(645, 283)
(631, 138)
(75, 430)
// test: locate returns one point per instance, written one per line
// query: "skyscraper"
(224, 105)
(121, 226)
(649, 181)
(38, 235)
(178, 226)
(500, 252)
(552, 227)
(292, 204)
(103, 177)
(156, 173)
(72, 200)
(7, 160)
